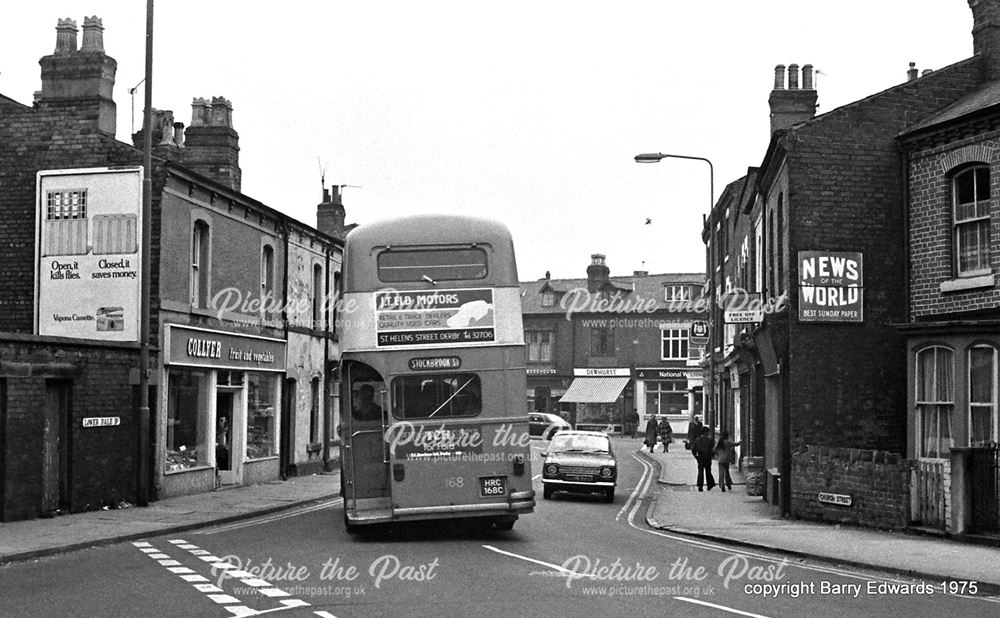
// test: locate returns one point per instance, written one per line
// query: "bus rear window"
(396, 266)
(436, 396)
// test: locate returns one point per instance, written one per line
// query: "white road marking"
(640, 487)
(549, 565)
(721, 607)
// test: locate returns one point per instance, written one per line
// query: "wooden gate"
(928, 494)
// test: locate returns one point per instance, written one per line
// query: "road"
(575, 556)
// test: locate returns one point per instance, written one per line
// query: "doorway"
(224, 448)
(56, 447)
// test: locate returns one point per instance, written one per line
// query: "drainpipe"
(327, 416)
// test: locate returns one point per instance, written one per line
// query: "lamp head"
(648, 157)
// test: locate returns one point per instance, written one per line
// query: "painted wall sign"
(209, 348)
(831, 286)
(102, 421)
(87, 253)
(434, 317)
(435, 362)
(838, 499)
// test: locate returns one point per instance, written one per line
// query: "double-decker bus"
(433, 423)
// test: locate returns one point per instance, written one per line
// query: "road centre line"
(722, 607)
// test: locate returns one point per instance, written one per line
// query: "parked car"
(546, 425)
(580, 461)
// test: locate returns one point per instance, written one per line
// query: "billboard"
(434, 317)
(87, 250)
(831, 286)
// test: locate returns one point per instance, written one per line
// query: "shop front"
(221, 399)
(601, 396)
(674, 393)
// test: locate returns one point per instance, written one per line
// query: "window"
(262, 393)
(666, 397)
(187, 414)
(436, 396)
(971, 199)
(201, 253)
(935, 400)
(318, 297)
(539, 346)
(267, 281)
(548, 298)
(675, 344)
(982, 395)
(314, 411)
(444, 264)
(779, 282)
(602, 341)
(676, 293)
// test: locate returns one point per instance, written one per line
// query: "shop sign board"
(698, 334)
(88, 238)
(199, 347)
(602, 372)
(415, 318)
(831, 286)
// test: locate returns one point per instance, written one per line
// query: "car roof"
(577, 432)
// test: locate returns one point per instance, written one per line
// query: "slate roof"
(634, 288)
(980, 99)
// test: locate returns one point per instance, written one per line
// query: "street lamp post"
(656, 158)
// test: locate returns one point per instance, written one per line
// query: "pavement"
(731, 517)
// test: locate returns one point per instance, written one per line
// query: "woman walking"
(651, 431)
(725, 450)
(666, 433)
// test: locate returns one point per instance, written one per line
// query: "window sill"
(197, 468)
(968, 283)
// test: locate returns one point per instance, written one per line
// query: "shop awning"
(594, 390)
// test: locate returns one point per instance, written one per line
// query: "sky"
(528, 112)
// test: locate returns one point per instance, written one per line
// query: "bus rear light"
(519, 464)
(398, 472)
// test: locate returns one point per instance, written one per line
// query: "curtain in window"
(982, 394)
(935, 400)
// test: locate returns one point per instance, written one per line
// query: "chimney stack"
(211, 145)
(792, 105)
(597, 273)
(986, 36)
(330, 214)
(80, 81)
(912, 73)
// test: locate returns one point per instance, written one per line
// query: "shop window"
(436, 396)
(982, 395)
(674, 344)
(187, 420)
(935, 400)
(971, 212)
(602, 341)
(262, 390)
(201, 254)
(539, 345)
(666, 397)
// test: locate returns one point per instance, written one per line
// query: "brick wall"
(845, 193)
(876, 481)
(101, 459)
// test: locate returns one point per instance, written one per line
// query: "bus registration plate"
(491, 486)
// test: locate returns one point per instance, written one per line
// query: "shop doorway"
(287, 413)
(55, 446)
(224, 446)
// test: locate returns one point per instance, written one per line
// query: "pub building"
(221, 399)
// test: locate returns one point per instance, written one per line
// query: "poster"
(87, 247)
(434, 317)
(831, 286)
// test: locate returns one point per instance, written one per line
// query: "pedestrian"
(651, 431)
(725, 451)
(633, 423)
(694, 430)
(666, 433)
(702, 449)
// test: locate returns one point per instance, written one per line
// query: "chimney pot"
(65, 36)
(807, 77)
(179, 134)
(793, 77)
(779, 77)
(548, 275)
(911, 73)
(221, 113)
(93, 35)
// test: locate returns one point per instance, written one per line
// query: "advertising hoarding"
(831, 286)
(87, 248)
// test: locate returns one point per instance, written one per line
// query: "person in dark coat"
(694, 430)
(632, 421)
(702, 450)
(651, 432)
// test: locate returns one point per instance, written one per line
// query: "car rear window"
(563, 443)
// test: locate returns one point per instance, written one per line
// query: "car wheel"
(547, 492)
(609, 494)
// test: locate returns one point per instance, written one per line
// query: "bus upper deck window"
(441, 264)
(436, 396)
